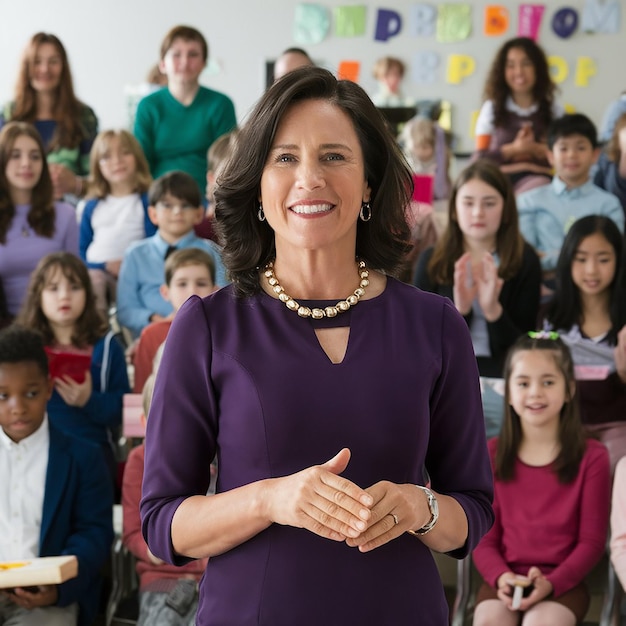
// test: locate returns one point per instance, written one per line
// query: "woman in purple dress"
(343, 406)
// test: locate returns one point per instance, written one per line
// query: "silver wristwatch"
(434, 513)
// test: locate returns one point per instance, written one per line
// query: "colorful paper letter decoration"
(454, 22)
(424, 66)
(460, 66)
(311, 24)
(530, 20)
(496, 20)
(585, 68)
(473, 120)
(349, 70)
(601, 17)
(388, 24)
(565, 22)
(350, 21)
(558, 68)
(422, 20)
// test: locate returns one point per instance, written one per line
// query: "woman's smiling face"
(313, 183)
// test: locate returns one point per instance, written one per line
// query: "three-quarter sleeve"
(457, 459)
(177, 461)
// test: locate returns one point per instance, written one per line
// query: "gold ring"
(395, 518)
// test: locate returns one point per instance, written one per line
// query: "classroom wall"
(113, 44)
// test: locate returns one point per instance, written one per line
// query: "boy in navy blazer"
(55, 494)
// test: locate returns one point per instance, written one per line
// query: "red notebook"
(71, 364)
(423, 188)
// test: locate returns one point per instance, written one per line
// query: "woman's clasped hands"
(331, 506)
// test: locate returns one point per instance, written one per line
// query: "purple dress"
(248, 380)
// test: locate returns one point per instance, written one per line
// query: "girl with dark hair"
(482, 263)
(44, 96)
(326, 387)
(61, 305)
(519, 106)
(552, 494)
(31, 224)
(588, 309)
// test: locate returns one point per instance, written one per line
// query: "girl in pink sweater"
(552, 493)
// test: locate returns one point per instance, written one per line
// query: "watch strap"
(433, 506)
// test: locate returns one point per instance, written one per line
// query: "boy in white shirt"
(55, 494)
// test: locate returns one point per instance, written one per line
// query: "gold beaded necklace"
(317, 314)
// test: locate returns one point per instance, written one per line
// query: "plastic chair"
(124, 577)
(614, 595)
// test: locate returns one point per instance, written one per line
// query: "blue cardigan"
(103, 410)
(77, 518)
(85, 236)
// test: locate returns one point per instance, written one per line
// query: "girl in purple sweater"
(31, 224)
(552, 493)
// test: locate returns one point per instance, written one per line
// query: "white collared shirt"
(23, 468)
(485, 119)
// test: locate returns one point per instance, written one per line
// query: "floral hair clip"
(543, 334)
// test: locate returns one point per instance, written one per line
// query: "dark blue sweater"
(104, 408)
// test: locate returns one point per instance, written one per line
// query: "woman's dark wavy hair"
(565, 309)
(497, 90)
(571, 431)
(248, 243)
(41, 216)
(509, 241)
(89, 327)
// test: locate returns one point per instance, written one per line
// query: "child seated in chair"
(56, 495)
(190, 271)
(551, 495)
(157, 579)
(425, 147)
(175, 206)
